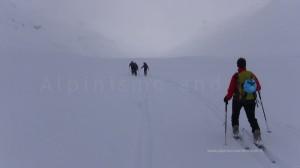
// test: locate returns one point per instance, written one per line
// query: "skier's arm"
(231, 87)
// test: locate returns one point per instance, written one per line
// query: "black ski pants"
(249, 107)
(134, 72)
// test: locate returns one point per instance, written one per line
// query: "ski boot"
(257, 138)
(236, 132)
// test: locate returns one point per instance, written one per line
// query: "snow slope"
(89, 112)
(25, 30)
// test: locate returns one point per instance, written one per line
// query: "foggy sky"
(145, 27)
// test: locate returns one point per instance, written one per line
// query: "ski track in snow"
(145, 141)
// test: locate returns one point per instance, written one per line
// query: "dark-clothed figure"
(242, 98)
(134, 68)
(146, 68)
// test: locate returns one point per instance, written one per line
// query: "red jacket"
(233, 84)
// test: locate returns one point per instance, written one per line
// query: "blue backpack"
(250, 86)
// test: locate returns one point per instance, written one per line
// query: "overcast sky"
(145, 27)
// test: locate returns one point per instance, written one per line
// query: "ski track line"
(145, 141)
(145, 137)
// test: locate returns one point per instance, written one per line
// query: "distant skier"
(242, 88)
(146, 68)
(134, 68)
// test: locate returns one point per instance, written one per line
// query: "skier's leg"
(250, 112)
(236, 108)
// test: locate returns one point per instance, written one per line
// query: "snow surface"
(89, 112)
(66, 102)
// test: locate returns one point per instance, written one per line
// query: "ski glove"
(225, 100)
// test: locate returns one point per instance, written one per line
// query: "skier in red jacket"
(243, 98)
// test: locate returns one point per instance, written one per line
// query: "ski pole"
(262, 106)
(226, 123)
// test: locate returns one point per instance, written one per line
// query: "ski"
(263, 148)
(267, 153)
